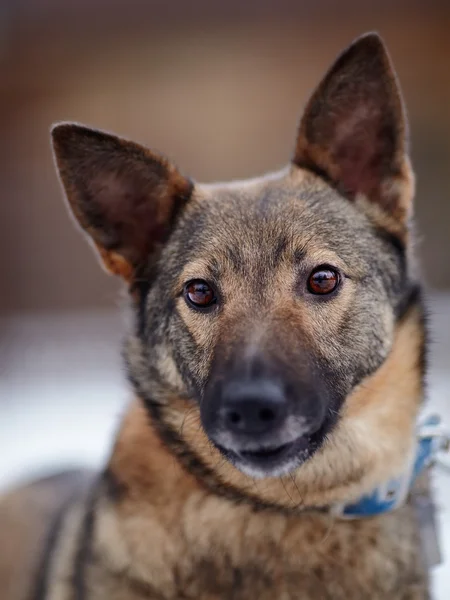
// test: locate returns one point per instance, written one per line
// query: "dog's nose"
(251, 408)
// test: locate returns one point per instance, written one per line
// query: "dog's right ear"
(123, 195)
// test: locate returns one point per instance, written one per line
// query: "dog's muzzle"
(254, 425)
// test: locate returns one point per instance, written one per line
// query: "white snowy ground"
(62, 392)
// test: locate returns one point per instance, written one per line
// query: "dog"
(277, 362)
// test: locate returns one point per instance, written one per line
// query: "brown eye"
(199, 294)
(323, 281)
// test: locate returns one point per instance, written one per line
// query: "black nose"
(253, 407)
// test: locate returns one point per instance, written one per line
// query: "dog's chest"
(266, 556)
(319, 560)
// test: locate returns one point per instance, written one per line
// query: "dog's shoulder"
(30, 518)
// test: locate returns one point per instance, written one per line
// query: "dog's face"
(261, 305)
(275, 300)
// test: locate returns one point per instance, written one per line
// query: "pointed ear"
(124, 196)
(354, 133)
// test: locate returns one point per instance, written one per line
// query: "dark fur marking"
(394, 242)
(115, 490)
(215, 269)
(140, 288)
(179, 203)
(280, 249)
(416, 299)
(235, 259)
(84, 548)
(300, 255)
(310, 166)
(412, 297)
(398, 288)
(40, 587)
(141, 313)
(224, 580)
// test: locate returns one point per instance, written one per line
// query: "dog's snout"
(251, 408)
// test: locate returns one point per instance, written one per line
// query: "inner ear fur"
(354, 130)
(124, 196)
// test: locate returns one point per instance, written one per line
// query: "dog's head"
(267, 310)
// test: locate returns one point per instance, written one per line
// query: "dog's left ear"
(124, 196)
(354, 132)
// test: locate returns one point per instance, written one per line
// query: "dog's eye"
(323, 280)
(199, 294)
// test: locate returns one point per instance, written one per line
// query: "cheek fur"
(202, 326)
(193, 337)
(168, 369)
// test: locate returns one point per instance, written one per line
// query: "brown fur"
(172, 516)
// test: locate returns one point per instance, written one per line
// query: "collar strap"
(431, 439)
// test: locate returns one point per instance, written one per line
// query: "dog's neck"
(172, 466)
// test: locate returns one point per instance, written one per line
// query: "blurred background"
(219, 87)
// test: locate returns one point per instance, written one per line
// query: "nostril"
(266, 414)
(234, 417)
(249, 408)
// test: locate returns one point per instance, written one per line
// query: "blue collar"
(431, 439)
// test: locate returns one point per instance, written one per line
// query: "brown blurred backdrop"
(218, 86)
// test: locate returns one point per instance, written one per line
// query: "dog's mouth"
(269, 461)
(265, 453)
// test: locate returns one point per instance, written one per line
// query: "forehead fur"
(262, 221)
